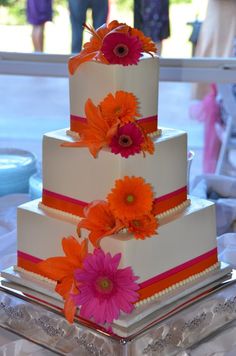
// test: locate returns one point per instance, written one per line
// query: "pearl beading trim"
(73, 134)
(59, 213)
(76, 219)
(156, 133)
(177, 285)
(35, 275)
(76, 135)
(174, 210)
(144, 301)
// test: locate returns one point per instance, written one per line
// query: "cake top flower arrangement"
(114, 43)
(114, 124)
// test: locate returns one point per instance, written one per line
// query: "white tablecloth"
(223, 344)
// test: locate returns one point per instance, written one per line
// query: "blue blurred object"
(16, 167)
(36, 185)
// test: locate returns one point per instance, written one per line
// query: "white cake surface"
(186, 236)
(96, 80)
(73, 172)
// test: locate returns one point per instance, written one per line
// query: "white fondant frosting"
(74, 173)
(96, 80)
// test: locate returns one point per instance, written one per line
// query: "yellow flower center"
(104, 285)
(125, 141)
(136, 223)
(130, 198)
(121, 50)
(117, 110)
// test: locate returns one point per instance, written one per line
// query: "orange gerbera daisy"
(143, 227)
(97, 133)
(122, 106)
(61, 269)
(131, 198)
(100, 221)
(148, 45)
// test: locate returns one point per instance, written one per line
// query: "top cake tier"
(94, 80)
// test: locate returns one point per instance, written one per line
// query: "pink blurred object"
(208, 111)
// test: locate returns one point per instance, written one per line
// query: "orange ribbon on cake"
(76, 207)
(153, 285)
(178, 274)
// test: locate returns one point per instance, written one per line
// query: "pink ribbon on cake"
(149, 124)
(179, 268)
(177, 274)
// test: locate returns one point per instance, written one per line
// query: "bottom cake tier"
(184, 249)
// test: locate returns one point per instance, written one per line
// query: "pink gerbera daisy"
(121, 48)
(127, 141)
(105, 290)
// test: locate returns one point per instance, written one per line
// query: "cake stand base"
(177, 322)
(128, 324)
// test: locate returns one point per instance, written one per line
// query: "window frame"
(171, 69)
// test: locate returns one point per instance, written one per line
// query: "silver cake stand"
(167, 326)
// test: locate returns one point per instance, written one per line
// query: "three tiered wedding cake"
(115, 227)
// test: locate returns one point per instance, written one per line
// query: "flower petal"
(76, 61)
(55, 268)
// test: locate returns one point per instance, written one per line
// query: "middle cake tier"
(72, 178)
